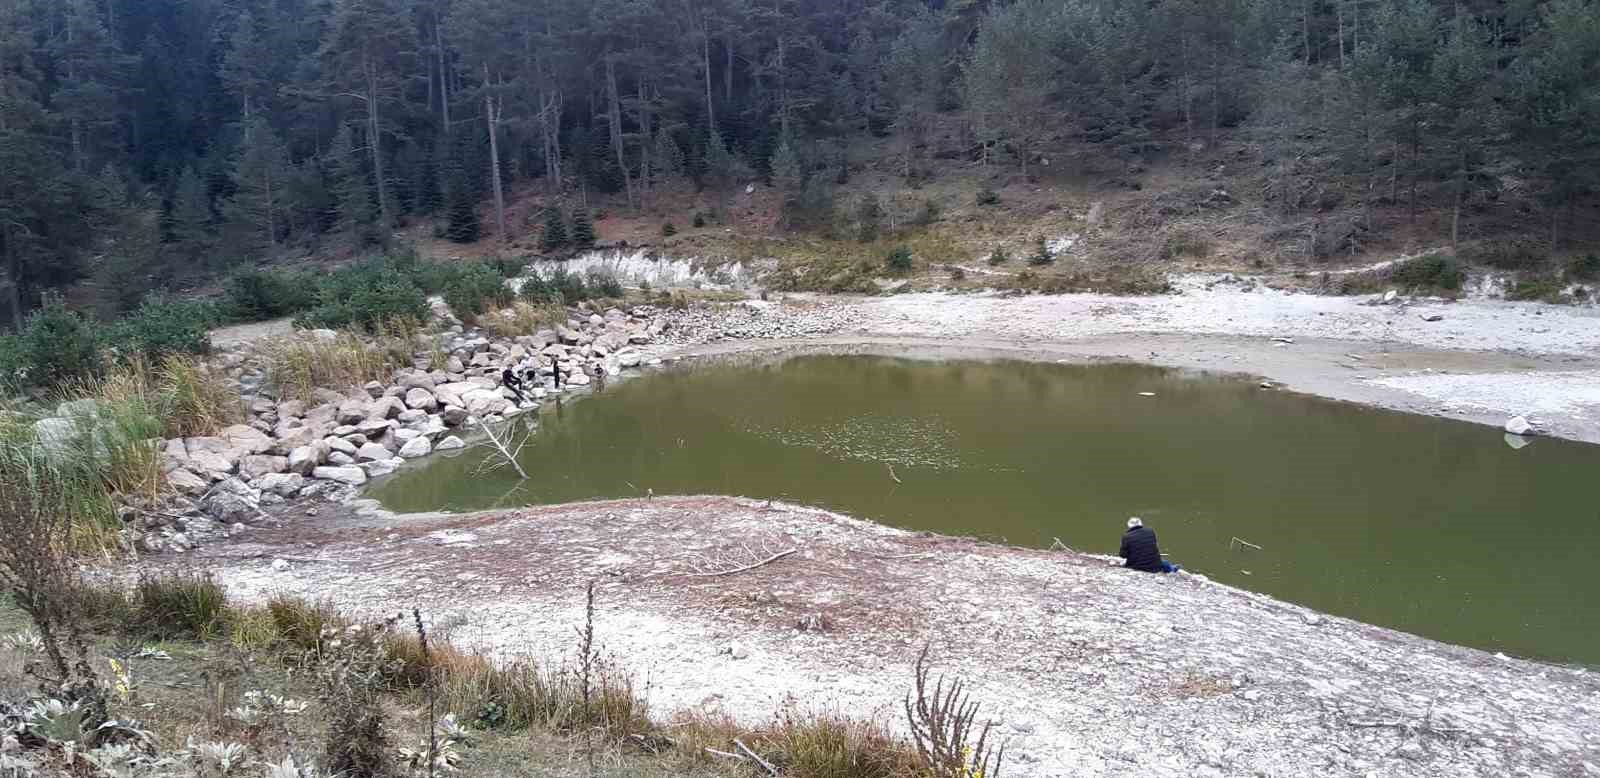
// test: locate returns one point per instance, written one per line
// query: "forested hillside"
(147, 144)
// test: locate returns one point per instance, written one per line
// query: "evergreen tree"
(348, 183)
(555, 230)
(582, 229)
(189, 221)
(260, 181)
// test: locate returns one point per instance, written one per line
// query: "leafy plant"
(668, 230)
(475, 288)
(604, 284)
(255, 295)
(944, 727)
(1041, 253)
(162, 325)
(1434, 271)
(899, 259)
(998, 256)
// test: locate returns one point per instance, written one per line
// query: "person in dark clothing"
(509, 379)
(1140, 550)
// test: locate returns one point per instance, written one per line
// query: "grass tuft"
(180, 606)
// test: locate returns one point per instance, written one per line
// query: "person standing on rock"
(1140, 551)
(509, 379)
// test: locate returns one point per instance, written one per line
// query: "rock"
(57, 436)
(1433, 317)
(280, 565)
(351, 476)
(578, 379)
(403, 436)
(1390, 296)
(1518, 425)
(232, 500)
(385, 408)
(150, 543)
(566, 334)
(415, 379)
(629, 358)
(303, 459)
(450, 444)
(411, 417)
(187, 482)
(281, 484)
(77, 408)
(374, 389)
(352, 412)
(455, 366)
(453, 415)
(257, 465)
(421, 399)
(1516, 442)
(371, 452)
(289, 408)
(416, 447)
(482, 402)
(339, 459)
(340, 445)
(737, 651)
(375, 428)
(381, 467)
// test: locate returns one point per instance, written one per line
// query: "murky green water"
(1430, 526)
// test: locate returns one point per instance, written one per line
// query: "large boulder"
(187, 482)
(421, 399)
(340, 445)
(291, 408)
(386, 407)
(415, 379)
(246, 439)
(353, 476)
(282, 484)
(211, 456)
(453, 415)
(303, 460)
(257, 465)
(1519, 425)
(450, 444)
(372, 452)
(416, 447)
(482, 402)
(231, 501)
(352, 411)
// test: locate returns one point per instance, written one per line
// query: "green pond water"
(1430, 526)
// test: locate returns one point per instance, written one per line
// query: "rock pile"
(755, 319)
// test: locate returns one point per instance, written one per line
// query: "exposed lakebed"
(1430, 526)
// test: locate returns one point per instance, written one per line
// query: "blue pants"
(1168, 567)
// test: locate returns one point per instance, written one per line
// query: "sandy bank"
(1090, 670)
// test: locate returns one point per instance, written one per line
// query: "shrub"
(1546, 288)
(987, 196)
(1506, 255)
(899, 260)
(1584, 268)
(351, 677)
(194, 400)
(555, 230)
(957, 273)
(568, 287)
(832, 745)
(1434, 271)
(162, 325)
(999, 256)
(475, 288)
(582, 229)
(605, 284)
(539, 289)
(255, 295)
(379, 299)
(1184, 243)
(668, 230)
(929, 213)
(188, 606)
(302, 625)
(699, 220)
(868, 213)
(57, 345)
(1041, 254)
(298, 365)
(524, 318)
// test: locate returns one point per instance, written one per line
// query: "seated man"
(1140, 550)
(509, 379)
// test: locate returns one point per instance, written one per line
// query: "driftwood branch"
(509, 455)
(1238, 541)
(765, 765)
(768, 560)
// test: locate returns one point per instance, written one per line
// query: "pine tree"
(349, 186)
(582, 229)
(666, 158)
(786, 174)
(260, 177)
(461, 207)
(189, 224)
(555, 230)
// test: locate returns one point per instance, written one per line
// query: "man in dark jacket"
(1140, 550)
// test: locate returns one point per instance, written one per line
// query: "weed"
(604, 284)
(1434, 271)
(987, 196)
(899, 260)
(1041, 254)
(1185, 243)
(831, 745)
(944, 728)
(187, 606)
(524, 318)
(1506, 255)
(668, 230)
(998, 256)
(699, 220)
(301, 625)
(350, 682)
(300, 364)
(194, 399)
(1545, 288)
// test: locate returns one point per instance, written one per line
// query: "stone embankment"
(339, 438)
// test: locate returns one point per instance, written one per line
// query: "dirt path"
(1088, 670)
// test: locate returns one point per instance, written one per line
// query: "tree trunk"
(444, 80)
(783, 90)
(615, 110)
(491, 116)
(13, 274)
(644, 143)
(1461, 192)
(373, 144)
(705, 51)
(1339, 6)
(727, 73)
(272, 222)
(1305, 27)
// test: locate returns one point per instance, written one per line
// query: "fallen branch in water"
(1241, 542)
(510, 457)
(768, 560)
(892, 476)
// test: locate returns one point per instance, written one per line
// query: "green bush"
(1434, 271)
(699, 220)
(899, 260)
(56, 345)
(191, 607)
(162, 325)
(569, 287)
(929, 214)
(987, 196)
(256, 295)
(474, 289)
(560, 287)
(369, 306)
(555, 230)
(1584, 268)
(668, 230)
(604, 284)
(582, 229)
(999, 256)
(1546, 288)
(1041, 254)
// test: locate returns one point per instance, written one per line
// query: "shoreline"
(1088, 669)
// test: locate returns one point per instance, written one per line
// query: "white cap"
(1135, 522)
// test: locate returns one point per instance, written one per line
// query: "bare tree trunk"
(1461, 193)
(1305, 27)
(373, 143)
(644, 143)
(272, 221)
(727, 72)
(705, 51)
(783, 89)
(615, 108)
(1339, 6)
(444, 80)
(491, 116)
(72, 78)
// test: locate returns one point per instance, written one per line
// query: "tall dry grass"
(299, 364)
